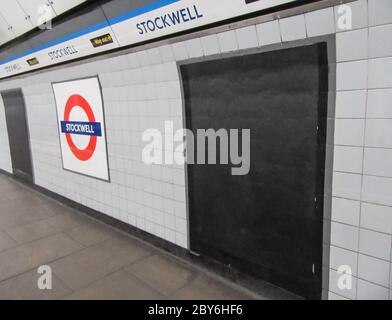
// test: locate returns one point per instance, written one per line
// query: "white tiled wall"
(142, 89)
(362, 204)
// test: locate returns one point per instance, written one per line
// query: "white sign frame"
(97, 165)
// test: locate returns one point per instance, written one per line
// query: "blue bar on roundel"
(82, 128)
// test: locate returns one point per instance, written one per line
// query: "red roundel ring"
(75, 101)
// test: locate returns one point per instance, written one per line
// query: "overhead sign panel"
(59, 51)
(81, 126)
(157, 19)
(178, 16)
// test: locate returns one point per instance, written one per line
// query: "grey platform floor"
(89, 259)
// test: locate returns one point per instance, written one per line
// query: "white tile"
(194, 47)
(170, 235)
(380, 12)
(379, 103)
(133, 60)
(170, 71)
(344, 236)
(320, 22)
(375, 217)
(377, 190)
(181, 225)
(348, 159)
(170, 221)
(333, 296)
(247, 37)
(210, 45)
(378, 133)
(180, 51)
(349, 293)
(166, 53)
(179, 193)
(375, 244)
(380, 73)
(370, 291)
(345, 211)
(346, 185)
(380, 44)
(349, 132)
(378, 162)
(159, 231)
(357, 13)
(352, 45)
(293, 28)
(351, 104)
(180, 209)
(228, 41)
(154, 56)
(268, 33)
(341, 257)
(181, 240)
(351, 75)
(143, 58)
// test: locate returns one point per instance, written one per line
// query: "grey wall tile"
(320, 22)
(375, 244)
(228, 41)
(346, 185)
(373, 270)
(349, 293)
(359, 14)
(342, 257)
(380, 44)
(268, 33)
(349, 132)
(376, 217)
(210, 44)
(379, 105)
(293, 28)
(195, 48)
(352, 45)
(346, 211)
(352, 75)
(344, 236)
(380, 73)
(351, 104)
(247, 37)
(380, 12)
(378, 162)
(370, 291)
(377, 190)
(378, 133)
(348, 159)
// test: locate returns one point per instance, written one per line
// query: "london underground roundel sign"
(90, 128)
(81, 127)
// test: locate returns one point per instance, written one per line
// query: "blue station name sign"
(82, 128)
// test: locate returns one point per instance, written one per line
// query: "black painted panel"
(77, 19)
(18, 134)
(266, 223)
(113, 8)
(85, 16)
(13, 49)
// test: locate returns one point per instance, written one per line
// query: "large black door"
(18, 134)
(268, 223)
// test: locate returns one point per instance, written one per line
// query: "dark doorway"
(18, 134)
(269, 223)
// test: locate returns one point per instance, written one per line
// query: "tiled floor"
(89, 259)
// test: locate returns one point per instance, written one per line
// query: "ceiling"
(20, 16)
